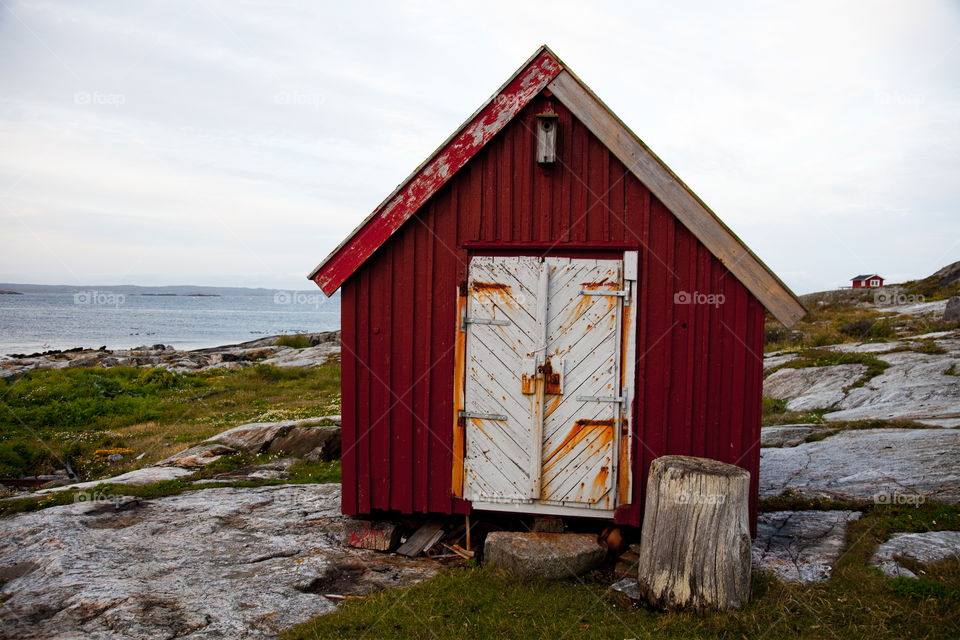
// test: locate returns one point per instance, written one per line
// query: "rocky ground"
(235, 356)
(248, 562)
(218, 563)
(921, 383)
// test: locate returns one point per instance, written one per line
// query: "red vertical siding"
(698, 365)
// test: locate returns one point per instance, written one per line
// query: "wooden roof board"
(545, 70)
(528, 81)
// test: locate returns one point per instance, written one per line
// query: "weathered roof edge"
(514, 94)
(679, 198)
(544, 69)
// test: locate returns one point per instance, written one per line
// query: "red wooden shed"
(540, 310)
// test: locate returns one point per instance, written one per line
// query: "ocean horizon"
(110, 317)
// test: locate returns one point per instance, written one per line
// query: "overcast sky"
(236, 143)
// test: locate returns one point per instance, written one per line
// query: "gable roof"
(544, 70)
(865, 277)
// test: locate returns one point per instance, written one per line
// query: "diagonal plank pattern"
(576, 462)
(582, 331)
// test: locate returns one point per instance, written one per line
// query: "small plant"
(109, 455)
(883, 330)
(928, 347)
(297, 341)
(157, 377)
(859, 330)
(21, 457)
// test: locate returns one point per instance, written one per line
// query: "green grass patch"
(858, 602)
(775, 412)
(306, 472)
(297, 341)
(49, 417)
(827, 358)
(790, 501)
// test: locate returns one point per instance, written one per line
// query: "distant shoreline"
(16, 288)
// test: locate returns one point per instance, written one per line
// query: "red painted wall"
(699, 365)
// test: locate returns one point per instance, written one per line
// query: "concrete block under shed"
(543, 555)
(371, 534)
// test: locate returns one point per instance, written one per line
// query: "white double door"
(542, 392)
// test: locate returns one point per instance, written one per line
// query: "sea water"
(42, 321)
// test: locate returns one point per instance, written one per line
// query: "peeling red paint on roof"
(437, 170)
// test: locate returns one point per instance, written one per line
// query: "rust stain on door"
(582, 429)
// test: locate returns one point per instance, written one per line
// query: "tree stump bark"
(695, 541)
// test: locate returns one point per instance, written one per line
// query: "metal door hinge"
(600, 398)
(481, 416)
(622, 293)
(464, 321)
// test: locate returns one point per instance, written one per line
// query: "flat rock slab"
(138, 477)
(774, 360)
(882, 465)
(551, 556)
(924, 548)
(914, 387)
(812, 387)
(788, 435)
(800, 546)
(309, 357)
(214, 563)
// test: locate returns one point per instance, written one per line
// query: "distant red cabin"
(538, 312)
(867, 281)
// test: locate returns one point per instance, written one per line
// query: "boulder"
(922, 548)
(256, 437)
(951, 312)
(543, 555)
(198, 456)
(800, 546)
(310, 443)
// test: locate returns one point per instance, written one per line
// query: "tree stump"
(695, 541)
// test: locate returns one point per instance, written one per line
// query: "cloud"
(239, 142)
